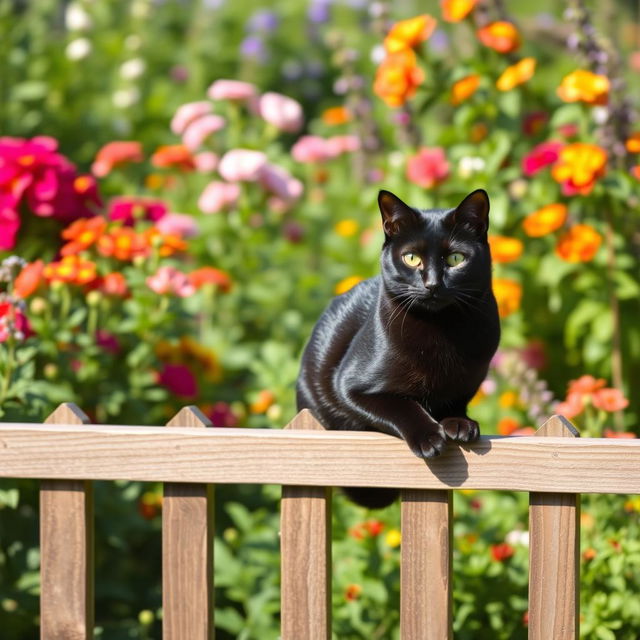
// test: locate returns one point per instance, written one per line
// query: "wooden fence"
(67, 454)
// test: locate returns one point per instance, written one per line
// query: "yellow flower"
(464, 88)
(456, 10)
(584, 86)
(398, 77)
(348, 283)
(346, 228)
(501, 36)
(393, 538)
(545, 220)
(407, 34)
(505, 249)
(508, 295)
(509, 399)
(578, 167)
(516, 74)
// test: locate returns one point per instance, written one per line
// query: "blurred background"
(184, 186)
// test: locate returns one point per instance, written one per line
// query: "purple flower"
(263, 20)
(253, 47)
(320, 11)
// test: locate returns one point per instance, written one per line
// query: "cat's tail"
(370, 497)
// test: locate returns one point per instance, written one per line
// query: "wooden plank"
(554, 555)
(305, 543)
(187, 551)
(426, 564)
(320, 458)
(66, 549)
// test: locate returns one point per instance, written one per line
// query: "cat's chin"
(431, 304)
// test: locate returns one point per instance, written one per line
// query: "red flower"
(132, 208)
(209, 275)
(428, 168)
(13, 323)
(541, 156)
(501, 552)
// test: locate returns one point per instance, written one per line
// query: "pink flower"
(428, 168)
(310, 149)
(541, 156)
(206, 161)
(343, 144)
(221, 415)
(114, 154)
(178, 224)
(281, 183)
(13, 323)
(168, 280)
(9, 222)
(178, 379)
(132, 208)
(572, 406)
(281, 111)
(242, 165)
(232, 90)
(187, 113)
(218, 196)
(199, 129)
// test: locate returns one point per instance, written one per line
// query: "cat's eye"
(411, 260)
(455, 259)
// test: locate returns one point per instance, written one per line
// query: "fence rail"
(67, 454)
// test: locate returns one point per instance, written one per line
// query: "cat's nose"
(430, 288)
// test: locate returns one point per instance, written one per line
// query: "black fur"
(405, 351)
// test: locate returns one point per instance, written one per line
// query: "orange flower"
(545, 220)
(29, 279)
(123, 243)
(71, 269)
(584, 86)
(397, 78)
(456, 10)
(633, 143)
(585, 385)
(173, 155)
(507, 425)
(166, 243)
(82, 233)
(578, 167)
(262, 402)
(635, 171)
(336, 116)
(501, 552)
(464, 88)
(114, 284)
(625, 435)
(114, 154)
(352, 592)
(210, 275)
(408, 34)
(348, 283)
(501, 36)
(609, 400)
(516, 74)
(505, 249)
(579, 244)
(508, 295)
(572, 406)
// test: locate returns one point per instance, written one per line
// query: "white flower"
(76, 18)
(133, 69)
(469, 165)
(124, 98)
(518, 536)
(78, 49)
(378, 54)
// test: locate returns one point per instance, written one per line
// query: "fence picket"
(554, 555)
(305, 543)
(66, 549)
(187, 551)
(425, 570)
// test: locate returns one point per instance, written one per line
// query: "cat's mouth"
(429, 301)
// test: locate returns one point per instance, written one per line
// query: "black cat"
(405, 351)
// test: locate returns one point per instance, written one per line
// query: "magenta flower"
(541, 156)
(168, 280)
(240, 165)
(178, 379)
(221, 415)
(187, 113)
(13, 323)
(281, 111)
(428, 168)
(232, 90)
(201, 128)
(132, 208)
(219, 196)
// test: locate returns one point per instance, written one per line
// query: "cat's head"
(437, 257)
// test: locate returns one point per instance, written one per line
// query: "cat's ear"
(396, 215)
(473, 212)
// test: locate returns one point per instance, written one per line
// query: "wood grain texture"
(66, 549)
(425, 569)
(187, 551)
(305, 544)
(554, 555)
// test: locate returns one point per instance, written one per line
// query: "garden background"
(184, 185)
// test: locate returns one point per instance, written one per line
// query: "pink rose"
(281, 111)
(232, 90)
(218, 196)
(311, 149)
(187, 113)
(428, 167)
(281, 183)
(242, 165)
(168, 280)
(206, 161)
(200, 128)
(178, 224)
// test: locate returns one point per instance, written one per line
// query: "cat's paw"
(428, 443)
(461, 429)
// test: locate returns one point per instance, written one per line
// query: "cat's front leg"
(461, 428)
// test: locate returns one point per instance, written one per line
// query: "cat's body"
(404, 352)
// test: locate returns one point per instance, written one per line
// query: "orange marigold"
(578, 167)
(456, 10)
(166, 243)
(348, 283)
(516, 74)
(397, 78)
(114, 284)
(545, 220)
(71, 269)
(123, 243)
(508, 295)
(504, 249)
(464, 88)
(579, 244)
(584, 86)
(585, 384)
(507, 425)
(210, 275)
(407, 34)
(173, 156)
(29, 279)
(610, 400)
(336, 116)
(82, 234)
(501, 36)
(633, 143)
